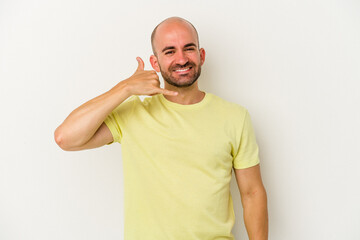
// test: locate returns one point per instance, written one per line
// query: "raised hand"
(146, 82)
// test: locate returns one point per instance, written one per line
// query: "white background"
(293, 64)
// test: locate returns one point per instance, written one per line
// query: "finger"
(140, 63)
(168, 92)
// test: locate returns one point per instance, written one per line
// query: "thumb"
(140, 64)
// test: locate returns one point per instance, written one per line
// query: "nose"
(181, 58)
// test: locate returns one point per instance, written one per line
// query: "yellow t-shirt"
(177, 164)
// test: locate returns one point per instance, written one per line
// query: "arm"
(254, 202)
(85, 121)
(84, 128)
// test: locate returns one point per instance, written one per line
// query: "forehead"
(175, 34)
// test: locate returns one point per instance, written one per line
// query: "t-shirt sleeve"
(117, 119)
(247, 154)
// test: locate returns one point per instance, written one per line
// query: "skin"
(84, 128)
(176, 45)
(254, 202)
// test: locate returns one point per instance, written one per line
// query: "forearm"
(83, 122)
(256, 215)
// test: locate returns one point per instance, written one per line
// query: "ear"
(202, 56)
(154, 63)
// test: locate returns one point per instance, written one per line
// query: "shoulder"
(229, 107)
(128, 103)
(147, 103)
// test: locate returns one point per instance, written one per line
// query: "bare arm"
(84, 128)
(82, 123)
(254, 202)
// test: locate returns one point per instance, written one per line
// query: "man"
(179, 146)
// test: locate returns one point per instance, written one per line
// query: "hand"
(146, 82)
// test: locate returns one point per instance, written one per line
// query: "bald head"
(168, 23)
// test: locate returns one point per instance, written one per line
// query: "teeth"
(182, 70)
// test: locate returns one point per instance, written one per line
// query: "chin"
(181, 83)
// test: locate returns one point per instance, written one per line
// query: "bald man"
(179, 146)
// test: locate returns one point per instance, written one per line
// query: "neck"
(186, 96)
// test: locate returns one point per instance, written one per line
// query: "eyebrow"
(172, 47)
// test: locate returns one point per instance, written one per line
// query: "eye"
(169, 52)
(189, 49)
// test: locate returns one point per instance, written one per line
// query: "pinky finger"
(167, 92)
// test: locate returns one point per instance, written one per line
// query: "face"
(178, 56)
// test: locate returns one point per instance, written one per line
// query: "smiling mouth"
(182, 70)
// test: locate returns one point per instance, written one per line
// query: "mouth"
(183, 70)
